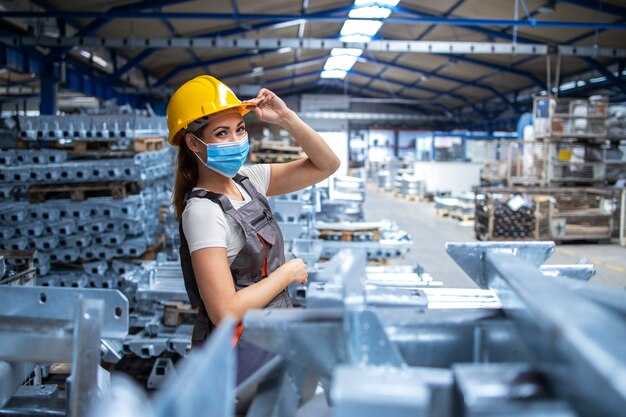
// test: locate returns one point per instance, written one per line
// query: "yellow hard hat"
(197, 98)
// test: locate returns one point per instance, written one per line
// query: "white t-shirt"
(206, 226)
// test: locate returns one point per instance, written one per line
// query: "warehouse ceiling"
(286, 50)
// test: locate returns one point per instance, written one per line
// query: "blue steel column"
(48, 95)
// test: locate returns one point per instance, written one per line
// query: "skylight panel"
(359, 29)
(390, 3)
(370, 12)
(346, 51)
(338, 74)
(340, 62)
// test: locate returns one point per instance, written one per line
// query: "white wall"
(457, 177)
(338, 142)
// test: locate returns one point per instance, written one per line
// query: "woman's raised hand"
(269, 107)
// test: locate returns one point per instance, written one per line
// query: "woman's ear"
(193, 143)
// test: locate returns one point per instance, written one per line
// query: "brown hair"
(186, 175)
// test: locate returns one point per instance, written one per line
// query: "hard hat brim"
(242, 108)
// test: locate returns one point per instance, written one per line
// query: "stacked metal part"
(412, 185)
(27, 167)
(301, 216)
(91, 232)
(461, 206)
(120, 128)
(526, 343)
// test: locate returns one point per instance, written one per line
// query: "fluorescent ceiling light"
(100, 61)
(363, 30)
(346, 51)
(339, 74)
(390, 3)
(285, 49)
(341, 62)
(370, 12)
(597, 80)
(85, 54)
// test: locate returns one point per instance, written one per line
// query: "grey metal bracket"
(469, 255)
(35, 302)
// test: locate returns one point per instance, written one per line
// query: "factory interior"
(428, 218)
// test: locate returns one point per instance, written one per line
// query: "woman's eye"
(241, 129)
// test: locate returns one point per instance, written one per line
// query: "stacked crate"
(540, 213)
(575, 160)
(275, 152)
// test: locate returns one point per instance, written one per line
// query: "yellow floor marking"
(615, 268)
(568, 252)
(596, 261)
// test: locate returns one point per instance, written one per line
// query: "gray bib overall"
(263, 252)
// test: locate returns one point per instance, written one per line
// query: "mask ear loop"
(194, 152)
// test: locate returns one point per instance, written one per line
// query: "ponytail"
(186, 177)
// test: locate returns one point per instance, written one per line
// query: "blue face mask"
(226, 158)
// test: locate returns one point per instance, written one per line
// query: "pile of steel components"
(84, 127)
(27, 167)
(316, 225)
(533, 340)
(82, 212)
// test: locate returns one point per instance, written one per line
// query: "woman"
(232, 252)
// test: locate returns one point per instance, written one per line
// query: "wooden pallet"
(409, 197)
(176, 312)
(462, 217)
(443, 213)
(151, 252)
(347, 235)
(79, 145)
(79, 192)
(379, 262)
(150, 143)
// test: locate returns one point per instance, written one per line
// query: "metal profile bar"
(52, 303)
(372, 116)
(573, 338)
(83, 382)
(418, 47)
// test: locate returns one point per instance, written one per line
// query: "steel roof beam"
(419, 38)
(455, 21)
(499, 67)
(192, 65)
(423, 88)
(470, 83)
(598, 6)
(606, 73)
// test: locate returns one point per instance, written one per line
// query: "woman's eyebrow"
(228, 127)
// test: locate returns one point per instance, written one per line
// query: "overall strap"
(247, 185)
(220, 199)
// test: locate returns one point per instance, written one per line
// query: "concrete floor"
(430, 234)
